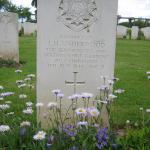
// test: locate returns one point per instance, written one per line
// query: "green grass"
(27, 55)
(8, 78)
(132, 61)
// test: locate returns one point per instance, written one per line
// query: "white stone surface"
(29, 28)
(146, 32)
(134, 33)
(65, 47)
(121, 31)
(9, 48)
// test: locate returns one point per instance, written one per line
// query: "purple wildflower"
(23, 132)
(56, 91)
(102, 138)
(86, 95)
(6, 94)
(70, 130)
(50, 139)
(103, 88)
(73, 148)
(60, 95)
(49, 143)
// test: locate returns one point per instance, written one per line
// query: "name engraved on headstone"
(65, 52)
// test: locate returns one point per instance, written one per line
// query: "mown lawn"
(132, 61)
(8, 79)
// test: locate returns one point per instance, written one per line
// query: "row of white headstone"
(28, 27)
(122, 32)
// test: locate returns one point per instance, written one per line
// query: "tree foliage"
(34, 3)
(140, 23)
(23, 12)
(4, 4)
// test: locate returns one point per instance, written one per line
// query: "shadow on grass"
(11, 63)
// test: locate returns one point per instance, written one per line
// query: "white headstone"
(74, 36)
(146, 32)
(134, 33)
(29, 28)
(121, 31)
(20, 26)
(9, 48)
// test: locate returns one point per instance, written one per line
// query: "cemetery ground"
(132, 63)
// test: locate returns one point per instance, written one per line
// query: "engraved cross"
(75, 82)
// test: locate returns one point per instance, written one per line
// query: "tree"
(141, 23)
(4, 4)
(11, 8)
(34, 3)
(24, 13)
(8, 6)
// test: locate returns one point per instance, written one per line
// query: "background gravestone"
(20, 26)
(134, 33)
(146, 32)
(29, 28)
(121, 31)
(9, 48)
(74, 36)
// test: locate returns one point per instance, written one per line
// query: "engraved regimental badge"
(77, 14)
